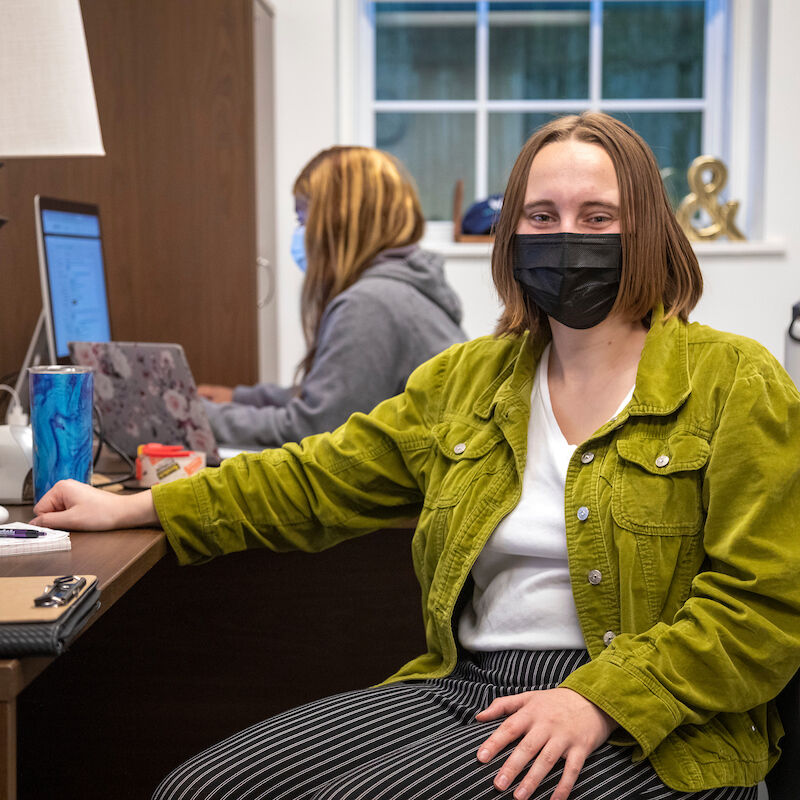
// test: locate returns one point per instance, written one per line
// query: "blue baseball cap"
(482, 215)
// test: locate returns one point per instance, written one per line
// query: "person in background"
(607, 500)
(374, 305)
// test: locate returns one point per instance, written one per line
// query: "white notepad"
(52, 540)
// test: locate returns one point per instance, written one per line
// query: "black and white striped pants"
(409, 741)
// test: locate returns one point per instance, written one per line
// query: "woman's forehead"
(566, 167)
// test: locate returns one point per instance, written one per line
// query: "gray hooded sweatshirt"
(399, 313)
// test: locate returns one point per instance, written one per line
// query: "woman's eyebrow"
(549, 204)
(600, 204)
(539, 204)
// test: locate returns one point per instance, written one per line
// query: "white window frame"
(733, 103)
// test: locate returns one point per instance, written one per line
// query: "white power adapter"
(15, 415)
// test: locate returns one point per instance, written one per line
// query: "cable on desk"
(103, 440)
(98, 432)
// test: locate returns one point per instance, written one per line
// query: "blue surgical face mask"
(299, 247)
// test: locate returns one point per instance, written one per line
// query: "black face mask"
(572, 277)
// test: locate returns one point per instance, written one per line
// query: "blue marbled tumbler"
(61, 418)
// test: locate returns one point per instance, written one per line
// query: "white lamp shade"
(47, 102)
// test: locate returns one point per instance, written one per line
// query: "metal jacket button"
(583, 513)
(587, 458)
(662, 461)
(609, 637)
(459, 448)
(595, 576)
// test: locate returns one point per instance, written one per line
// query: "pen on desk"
(20, 533)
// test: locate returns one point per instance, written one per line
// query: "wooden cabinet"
(175, 86)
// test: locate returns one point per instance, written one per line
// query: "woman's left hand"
(552, 724)
(217, 394)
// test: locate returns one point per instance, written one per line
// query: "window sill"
(451, 249)
(726, 249)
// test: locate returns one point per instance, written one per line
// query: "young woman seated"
(607, 550)
(374, 305)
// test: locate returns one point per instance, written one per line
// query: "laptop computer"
(146, 393)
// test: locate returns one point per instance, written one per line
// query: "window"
(455, 88)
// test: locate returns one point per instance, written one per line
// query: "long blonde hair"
(658, 263)
(361, 201)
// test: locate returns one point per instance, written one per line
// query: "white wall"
(749, 288)
(305, 122)
(752, 293)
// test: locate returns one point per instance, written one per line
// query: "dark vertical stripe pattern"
(409, 741)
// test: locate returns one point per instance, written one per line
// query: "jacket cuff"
(640, 706)
(180, 511)
(262, 394)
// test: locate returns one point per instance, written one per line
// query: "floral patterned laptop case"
(145, 393)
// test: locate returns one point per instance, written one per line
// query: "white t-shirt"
(523, 597)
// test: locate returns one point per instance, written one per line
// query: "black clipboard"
(30, 630)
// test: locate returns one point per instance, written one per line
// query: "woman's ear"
(301, 208)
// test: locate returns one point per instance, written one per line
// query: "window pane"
(538, 51)
(675, 138)
(653, 49)
(507, 133)
(437, 149)
(425, 51)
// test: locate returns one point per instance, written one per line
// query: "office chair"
(783, 781)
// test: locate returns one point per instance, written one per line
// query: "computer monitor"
(72, 273)
(73, 283)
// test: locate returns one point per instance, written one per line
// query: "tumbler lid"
(57, 369)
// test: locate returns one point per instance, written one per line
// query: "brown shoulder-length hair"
(360, 201)
(658, 263)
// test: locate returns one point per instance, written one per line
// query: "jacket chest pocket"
(463, 454)
(658, 485)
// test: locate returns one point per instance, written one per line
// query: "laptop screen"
(72, 252)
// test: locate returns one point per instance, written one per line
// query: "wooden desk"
(118, 559)
(195, 654)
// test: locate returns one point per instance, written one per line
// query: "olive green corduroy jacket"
(692, 536)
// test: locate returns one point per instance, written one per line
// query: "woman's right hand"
(74, 506)
(217, 394)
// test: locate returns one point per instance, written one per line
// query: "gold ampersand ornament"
(703, 196)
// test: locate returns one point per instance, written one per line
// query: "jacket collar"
(662, 379)
(512, 387)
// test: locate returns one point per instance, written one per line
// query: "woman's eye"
(541, 217)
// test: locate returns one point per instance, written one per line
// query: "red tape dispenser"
(162, 463)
